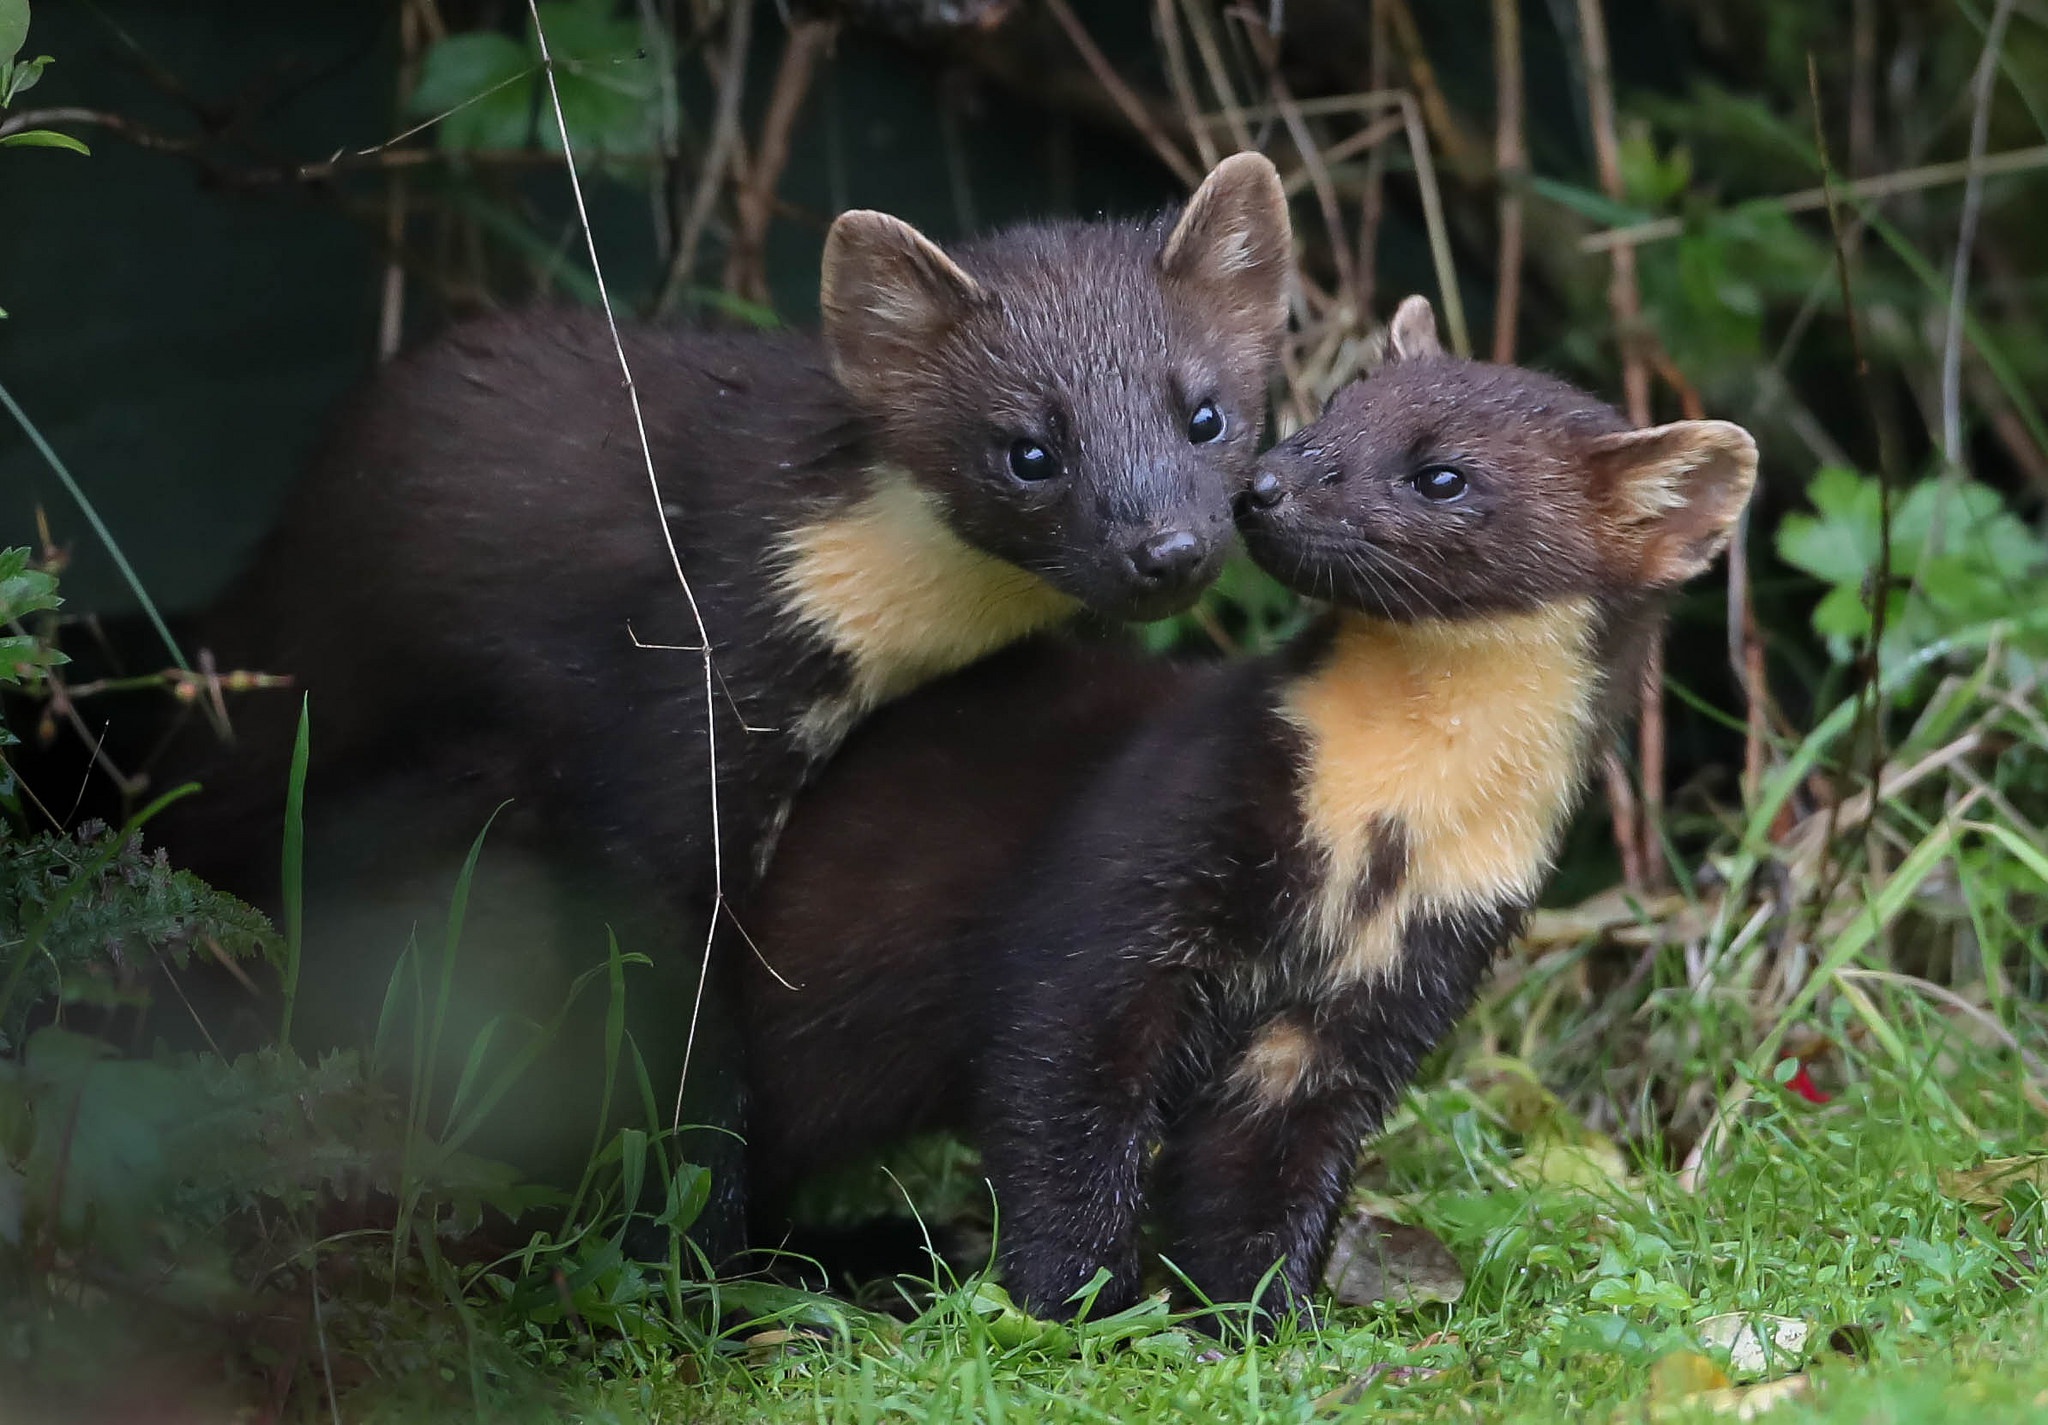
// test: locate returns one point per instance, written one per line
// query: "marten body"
(1237, 942)
(1053, 419)
(481, 549)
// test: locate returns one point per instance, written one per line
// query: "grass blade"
(294, 873)
(99, 527)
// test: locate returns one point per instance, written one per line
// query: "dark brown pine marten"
(1052, 419)
(1089, 908)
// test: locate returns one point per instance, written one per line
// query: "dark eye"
(1439, 483)
(1031, 461)
(1206, 424)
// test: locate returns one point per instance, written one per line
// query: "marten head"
(1438, 487)
(1082, 399)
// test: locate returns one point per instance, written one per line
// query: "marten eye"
(1031, 461)
(1206, 424)
(1439, 483)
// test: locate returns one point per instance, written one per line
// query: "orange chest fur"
(1465, 738)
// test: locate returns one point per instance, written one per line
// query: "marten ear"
(1674, 493)
(1410, 336)
(888, 296)
(1233, 244)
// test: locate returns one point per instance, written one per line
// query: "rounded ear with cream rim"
(1233, 244)
(1675, 493)
(1410, 336)
(888, 295)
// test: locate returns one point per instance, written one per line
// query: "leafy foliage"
(18, 76)
(82, 913)
(493, 95)
(1959, 556)
(24, 591)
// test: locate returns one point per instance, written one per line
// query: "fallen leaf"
(1373, 1260)
(1987, 1184)
(1351, 1392)
(1592, 1162)
(1754, 1341)
(1603, 914)
(1682, 1375)
(1746, 1402)
(765, 1346)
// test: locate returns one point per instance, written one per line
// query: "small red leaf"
(1802, 1084)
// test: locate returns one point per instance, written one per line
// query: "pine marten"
(1223, 913)
(1052, 419)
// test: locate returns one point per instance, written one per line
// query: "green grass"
(1581, 1295)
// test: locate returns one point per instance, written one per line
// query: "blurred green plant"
(1959, 556)
(82, 913)
(489, 91)
(24, 655)
(18, 76)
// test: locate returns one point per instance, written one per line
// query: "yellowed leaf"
(1987, 1184)
(1682, 1375)
(1591, 1164)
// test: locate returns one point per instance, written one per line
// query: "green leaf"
(44, 138)
(482, 86)
(1841, 544)
(13, 27)
(20, 76)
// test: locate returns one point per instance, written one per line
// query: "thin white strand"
(675, 560)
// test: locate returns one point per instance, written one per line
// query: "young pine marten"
(1053, 418)
(1050, 419)
(1225, 912)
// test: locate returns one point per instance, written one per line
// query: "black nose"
(1167, 558)
(1265, 491)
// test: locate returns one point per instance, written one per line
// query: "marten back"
(477, 589)
(855, 1001)
(1238, 941)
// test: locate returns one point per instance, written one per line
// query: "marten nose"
(1167, 558)
(1265, 491)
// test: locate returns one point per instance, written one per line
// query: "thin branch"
(1462, 152)
(1813, 200)
(1268, 52)
(746, 271)
(1139, 117)
(1166, 19)
(718, 156)
(117, 124)
(1982, 88)
(1624, 299)
(1511, 161)
(1233, 117)
(1373, 206)
(1869, 716)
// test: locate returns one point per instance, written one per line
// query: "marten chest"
(885, 586)
(1440, 762)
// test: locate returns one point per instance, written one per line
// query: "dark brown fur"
(461, 581)
(1238, 941)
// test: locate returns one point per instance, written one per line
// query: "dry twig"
(718, 157)
(746, 268)
(1139, 117)
(1510, 158)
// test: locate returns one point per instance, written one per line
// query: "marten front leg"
(1069, 1109)
(1254, 1171)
